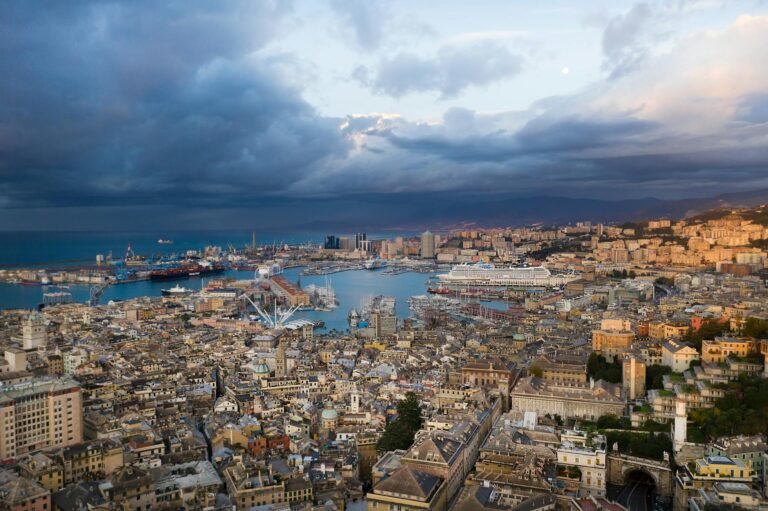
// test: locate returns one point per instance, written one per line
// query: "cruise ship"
(484, 274)
(374, 264)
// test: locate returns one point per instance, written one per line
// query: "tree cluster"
(743, 411)
(654, 376)
(400, 432)
(708, 330)
(600, 369)
(642, 445)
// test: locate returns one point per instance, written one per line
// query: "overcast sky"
(111, 110)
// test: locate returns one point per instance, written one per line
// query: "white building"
(678, 355)
(589, 460)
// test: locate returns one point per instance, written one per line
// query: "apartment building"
(40, 414)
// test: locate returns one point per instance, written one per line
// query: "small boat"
(161, 241)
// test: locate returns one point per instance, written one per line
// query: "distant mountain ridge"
(412, 212)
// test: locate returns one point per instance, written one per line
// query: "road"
(637, 496)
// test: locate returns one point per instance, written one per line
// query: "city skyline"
(293, 114)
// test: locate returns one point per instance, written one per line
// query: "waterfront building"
(360, 238)
(293, 294)
(427, 245)
(331, 243)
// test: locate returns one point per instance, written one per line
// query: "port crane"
(277, 321)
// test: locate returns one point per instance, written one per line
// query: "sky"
(138, 114)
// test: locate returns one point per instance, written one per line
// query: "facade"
(590, 462)
(612, 344)
(561, 369)
(427, 245)
(747, 449)
(533, 394)
(719, 349)
(291, 292)
(490, 372)
(678, 355)
(40, 414)
(33, 332)
(633, 376)
(131, 488)
(664, 330)
(704, 473)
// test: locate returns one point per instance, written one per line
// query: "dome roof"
(261, 369)
(329, 414)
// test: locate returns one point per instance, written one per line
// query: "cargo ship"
(183, 272)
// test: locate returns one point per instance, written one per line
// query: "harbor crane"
(277, 321)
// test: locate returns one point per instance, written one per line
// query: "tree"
(599, 369)
(400, 432)
(654, 375)
(535, 371)
(756, 327)
(409, 411)
(708, 330)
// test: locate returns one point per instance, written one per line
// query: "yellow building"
(719, 349)
(612, 343)
(44, 470)
(723, 466)
(667, 330)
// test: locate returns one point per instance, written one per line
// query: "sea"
(59, 249)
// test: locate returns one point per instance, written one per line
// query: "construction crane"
(277, 321)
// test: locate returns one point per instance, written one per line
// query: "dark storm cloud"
(450, 71)
(540, 136)
(137, 102)
(181, 106)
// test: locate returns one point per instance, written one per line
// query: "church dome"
(329, 414)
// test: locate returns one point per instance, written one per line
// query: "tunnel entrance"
(639, 491)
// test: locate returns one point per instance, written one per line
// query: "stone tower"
(281, 368)
(33, 332)
(354, 402)
(681, 424)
